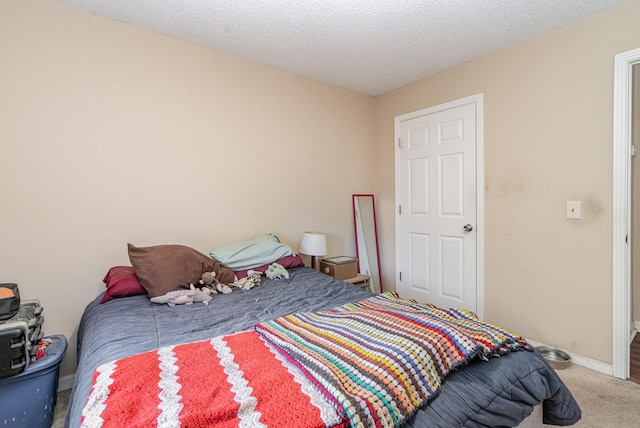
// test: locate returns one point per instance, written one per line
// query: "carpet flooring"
(605, 401)
(61, 409)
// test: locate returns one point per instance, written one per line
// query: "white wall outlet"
(573, 210)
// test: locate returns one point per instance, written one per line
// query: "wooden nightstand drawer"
(341, 267)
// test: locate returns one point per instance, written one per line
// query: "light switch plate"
(573, 210)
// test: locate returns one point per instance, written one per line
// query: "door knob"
(468, 228)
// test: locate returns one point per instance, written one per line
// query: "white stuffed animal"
(182, 297)
(252, 279)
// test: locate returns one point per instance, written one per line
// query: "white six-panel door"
(436, 196)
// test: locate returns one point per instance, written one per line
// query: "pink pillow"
(287, 262)
(121, 281)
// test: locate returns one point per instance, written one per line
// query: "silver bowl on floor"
(556, 358)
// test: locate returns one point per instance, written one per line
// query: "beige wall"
(111, 134)
(548, 139)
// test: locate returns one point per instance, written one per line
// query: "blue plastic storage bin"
(27, 399)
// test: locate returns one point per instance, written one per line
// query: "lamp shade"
(313, 244)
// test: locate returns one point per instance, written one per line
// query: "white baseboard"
(66, 382)
(582, 361)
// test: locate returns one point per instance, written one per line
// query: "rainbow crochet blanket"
(378, 360)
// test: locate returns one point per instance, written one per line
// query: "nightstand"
(362, 281)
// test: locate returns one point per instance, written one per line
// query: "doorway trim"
(621, 281)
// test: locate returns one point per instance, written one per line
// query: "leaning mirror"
(364, 219)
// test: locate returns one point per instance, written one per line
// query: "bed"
(503, 391)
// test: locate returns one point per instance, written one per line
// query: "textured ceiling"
(370, 46)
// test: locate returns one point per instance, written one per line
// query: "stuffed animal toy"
(211, 285)
(182, 297)
(276, 271)
(252, 279)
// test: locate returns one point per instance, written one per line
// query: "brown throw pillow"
(164, 268)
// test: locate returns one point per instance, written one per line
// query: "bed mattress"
(499, 392)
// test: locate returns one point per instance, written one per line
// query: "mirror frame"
(376, 283)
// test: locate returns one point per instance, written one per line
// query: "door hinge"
(634, 150)
(399, 142)
(400, 276)
(399, 209)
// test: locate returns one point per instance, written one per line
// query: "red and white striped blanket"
(227, 381)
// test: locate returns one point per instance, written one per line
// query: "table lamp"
(313, 244)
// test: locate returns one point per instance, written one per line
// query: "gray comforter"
(497, 393)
